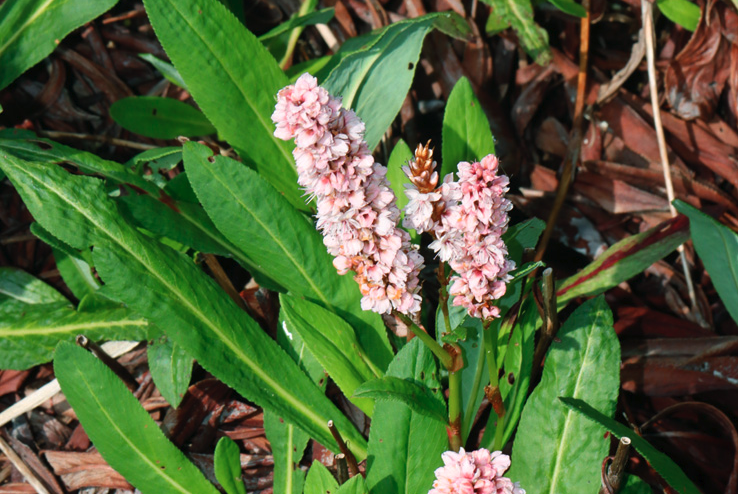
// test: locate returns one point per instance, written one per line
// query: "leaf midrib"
(569, 413)
(296, 404)
(103, 410)
(6, 332)
(259, 116)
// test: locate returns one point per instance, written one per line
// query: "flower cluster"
(467, 219)
(357, 213)
(478, 472)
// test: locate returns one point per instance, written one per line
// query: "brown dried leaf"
(79, 470)
(616, 196)
(12, 380)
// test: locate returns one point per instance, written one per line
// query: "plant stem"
(454, 410)
(493, 390)
(431, 343)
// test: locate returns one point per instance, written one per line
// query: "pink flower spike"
(478, 472)
(357, 214)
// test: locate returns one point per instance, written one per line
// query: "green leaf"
(124, 434)
(682, 12)
(17, 285)
(570, 7)
(281, 241)
(583, 363)
(625, 259)
(31, 29)
(320, 480)
(405, 447)
(28, 338)
(658, 460)
(333, 343)
(177, 296)
(524, 270)
(160, 118)
(400, 156)
(313, 66)
(635, 485)
(47, 151)
(374, 80)
(317, 17)
(354, 485)
(227, 466)
(76, 273)
(466, 134)
(519, 14)
(418, 397)
(717, 246)
(171, 369)
(167, 69)
(235, 89)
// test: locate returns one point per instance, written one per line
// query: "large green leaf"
(227, 466)
(281, 241)
(124, 434)
(417, 396)
(630, 256)
(717, 246)
(160, 118)
(235, 88)
(333, 343)
(178, 297)
(658, 460)
(466, 133)
(28, 338)
(318, 17)
(18, 286)
(375, 79)
(31, 29)
(171, 368)
(583, 363)
(405, 447)
(76, 273)
(354, 485)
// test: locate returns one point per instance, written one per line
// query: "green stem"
(305, 8)
(454, 410)
(429, 341)
(490, 347)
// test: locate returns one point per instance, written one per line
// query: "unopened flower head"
(467, 218)
(356, 207)
(478, 472)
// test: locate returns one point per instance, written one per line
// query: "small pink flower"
(478, 472)
(356, 206)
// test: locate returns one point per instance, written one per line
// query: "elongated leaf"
(167, 70)
(124, 434)
(624, 259)
(76, 273)
(280, 240)
(17, 285)
(717, 246)
(658, 460)
(227, 466)
(318, 17)
(354, 485)
(48, 151)
(171, 369)
(160, 118)
(333, 343)
(418, 397)
(31, 29)
(179, 298)
(319, 480)
(682, 12)
(519, 14)
(375, 80)
(405, 447)
(466, 133)
(29, 338)
(400, 156)
(245, 75)
(584, 364)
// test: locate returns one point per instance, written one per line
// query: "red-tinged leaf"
(625, 259)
